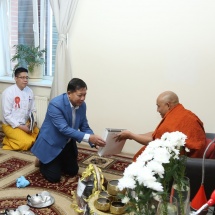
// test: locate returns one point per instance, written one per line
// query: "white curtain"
(63, 11)
(4, 38)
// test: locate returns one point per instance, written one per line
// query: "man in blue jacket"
(64, 124)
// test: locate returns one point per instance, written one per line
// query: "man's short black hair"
(19, 70)
(76, 84)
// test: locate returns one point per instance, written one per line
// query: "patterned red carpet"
(15, 164)
(13, 203)
(65, 186)
(11, 165)
(113, 165)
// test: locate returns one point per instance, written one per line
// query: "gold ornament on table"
(89, 185)
(117, 207)
(105, 194)
(102, 204)
(108, 201)
(112, 188)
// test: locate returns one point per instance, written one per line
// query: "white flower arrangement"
(149, 176)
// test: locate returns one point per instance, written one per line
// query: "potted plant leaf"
(29, 56)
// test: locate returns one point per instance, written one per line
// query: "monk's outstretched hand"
(123, 135)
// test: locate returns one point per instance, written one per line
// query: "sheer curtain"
(63, 11)
(4, 38)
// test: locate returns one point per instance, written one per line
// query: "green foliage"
(149, 180)
(28, 55)
(141, 201)
(175, 171)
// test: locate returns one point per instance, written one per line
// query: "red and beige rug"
(15, 164)
(13, 203)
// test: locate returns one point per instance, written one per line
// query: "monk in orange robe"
(174, 118)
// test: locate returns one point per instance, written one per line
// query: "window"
(51, 39)
(32, 22)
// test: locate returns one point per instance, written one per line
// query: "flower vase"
(169, 206)
(181, 191)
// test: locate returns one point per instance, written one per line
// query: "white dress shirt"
(17, 105)
(86, 136)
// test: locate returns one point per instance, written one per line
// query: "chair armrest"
(194, 173)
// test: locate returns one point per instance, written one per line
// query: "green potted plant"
(28, 55)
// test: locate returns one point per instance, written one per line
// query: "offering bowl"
(102, 204)
(105, 194)
(113, 189)
(117, 208)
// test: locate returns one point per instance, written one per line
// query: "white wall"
(129, 51)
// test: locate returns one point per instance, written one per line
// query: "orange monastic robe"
(183, 120)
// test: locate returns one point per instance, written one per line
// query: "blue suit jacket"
(57, 128)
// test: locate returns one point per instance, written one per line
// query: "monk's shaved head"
(169, 96)
(166, 101)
